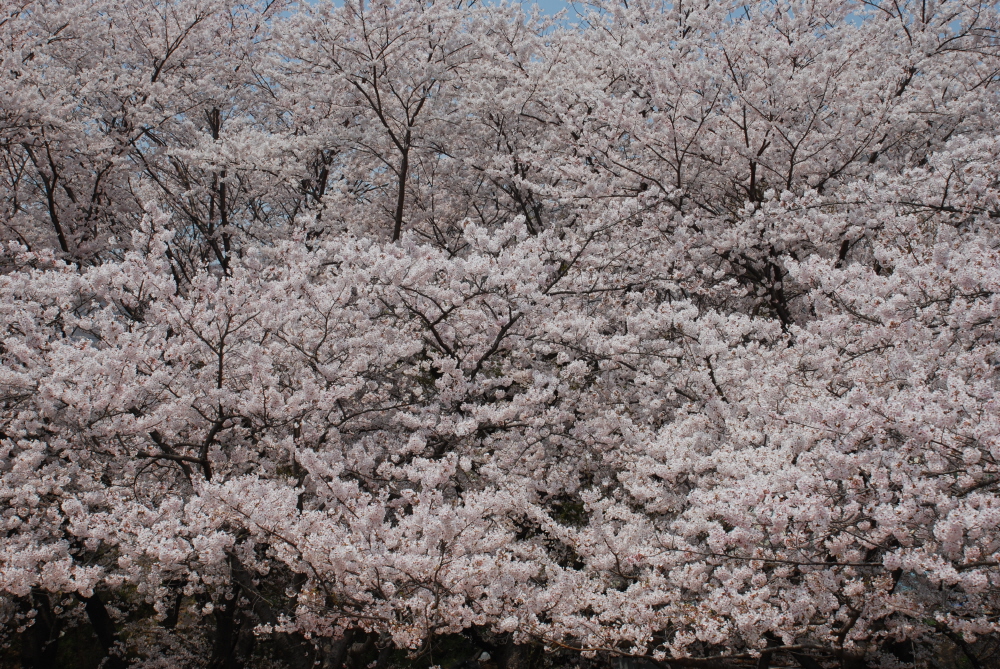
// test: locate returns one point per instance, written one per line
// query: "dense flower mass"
(357, 334)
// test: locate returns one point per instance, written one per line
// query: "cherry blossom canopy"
(357, 334)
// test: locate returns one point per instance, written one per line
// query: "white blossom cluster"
(667, 332)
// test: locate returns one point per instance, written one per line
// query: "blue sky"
(550, 6)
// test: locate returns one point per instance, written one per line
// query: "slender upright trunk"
(404, 167)
(39, 642)
(226, 629)
(104, 628)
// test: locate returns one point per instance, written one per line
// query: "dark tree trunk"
(39, 642)
(404, 168)
(226, 633)
(104, 628)
(517, 656)
(296, 651)
(337, 652)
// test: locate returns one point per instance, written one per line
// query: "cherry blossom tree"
(396, 333)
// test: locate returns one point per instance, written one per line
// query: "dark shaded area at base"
(45, 645)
